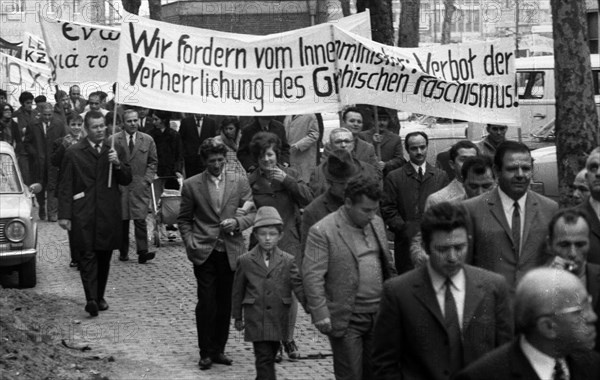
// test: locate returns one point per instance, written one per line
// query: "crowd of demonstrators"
(474, 248)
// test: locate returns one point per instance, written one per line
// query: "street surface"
(149, 328)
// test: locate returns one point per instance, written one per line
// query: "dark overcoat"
(85, 199)
(265, 294)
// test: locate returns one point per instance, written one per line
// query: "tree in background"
(408, 32)
(576, 117)
(382, 26)
(133, 6)
(450, 8)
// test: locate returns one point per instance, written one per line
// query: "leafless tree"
(408, 32)
(450, 8)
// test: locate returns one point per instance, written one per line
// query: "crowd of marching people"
(414, 271)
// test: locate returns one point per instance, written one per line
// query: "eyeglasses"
(587, 305)
(498, 129)
(347, 141)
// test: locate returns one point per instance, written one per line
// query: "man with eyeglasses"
(435, 320)
(496, 134)
(569, 245)
(556, 333)
(591, 206)
(340, 138)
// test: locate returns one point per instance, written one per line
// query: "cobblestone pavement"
(150, 326)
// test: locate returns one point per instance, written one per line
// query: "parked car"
(18, 230)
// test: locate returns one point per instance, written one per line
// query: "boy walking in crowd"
(262, 287)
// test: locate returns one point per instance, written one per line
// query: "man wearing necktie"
(135, 197)
(194, 129)
(406, 190)
(438, 318)
(509, 223)
(556, 333)
(90, 209)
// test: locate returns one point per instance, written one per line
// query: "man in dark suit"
(436, 319)
(569, 245)
(211, 221)
(555, 323)
(405, 191)
(591, 205)
(193, 130)
(262, 124)
(90, 209)
(345, 263)
(390, 144)
(509, 223)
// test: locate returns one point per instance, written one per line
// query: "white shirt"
(542, 364)
(508, 205)
(93, 144)
(416, 167)
(199, 123)
(458, 290)
(129, 136)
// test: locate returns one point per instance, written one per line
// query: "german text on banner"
(316, 69)
(17, 75)
(81, 52)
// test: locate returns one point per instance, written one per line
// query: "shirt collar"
(215, 179)
(542, 364)
(508, 202)
(94, 144)
(133, 134)
(423, 166)
(439, 282)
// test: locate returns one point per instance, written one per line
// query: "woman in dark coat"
(279, 187)
(9, 129)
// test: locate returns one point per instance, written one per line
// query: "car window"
(531, 84)
(9, 179)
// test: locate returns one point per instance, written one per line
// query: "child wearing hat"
(262, 288)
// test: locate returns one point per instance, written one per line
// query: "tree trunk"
(382, 26)
(450, 8)
(155, 9)
(408, 32)
(576, 117)
(346, 7)
(132, 6)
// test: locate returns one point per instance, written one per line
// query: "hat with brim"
(267, 216)
(340, 166)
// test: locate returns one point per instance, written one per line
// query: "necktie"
(516, 229)
(98, 149)
(420, 174)
(453, 328)
(130, 143)
(559, 370)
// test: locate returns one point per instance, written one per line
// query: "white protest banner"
(17, 75)
(81, 52)
(34, 49)
(316, 69)
(470, 81)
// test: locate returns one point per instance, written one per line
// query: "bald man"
(556, 327)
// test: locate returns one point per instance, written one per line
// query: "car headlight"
(15, 231)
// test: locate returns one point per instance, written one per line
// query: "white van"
(535, 82)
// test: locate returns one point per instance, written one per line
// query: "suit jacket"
(392, 152)
(592, 275)
(85, 198)
(330, 269)
(257, 289)
(248, 132)
(199, 220)
(508, 362)
(143, 162)
(188, 131)
(592, 217)
(492, 245)
(410, 333)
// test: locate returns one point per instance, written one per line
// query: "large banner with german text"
(316, 69)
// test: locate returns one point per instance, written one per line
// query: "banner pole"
(376, 126)
(112, 140)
